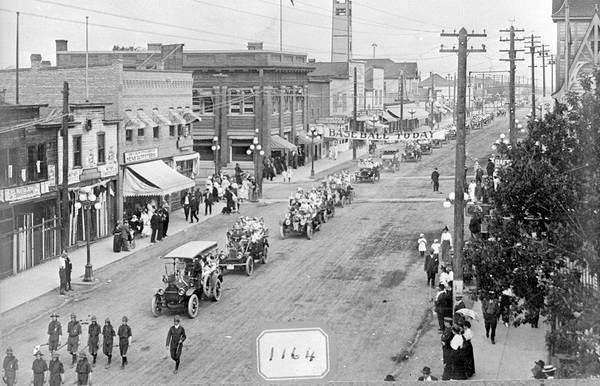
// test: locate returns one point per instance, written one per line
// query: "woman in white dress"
(243, 191)
(145, 218)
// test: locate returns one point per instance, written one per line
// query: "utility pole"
(65, 168)
(454, 98)
(552, 62)
(459, 177)
(512, 58)
(374, 45)
(532, 52)
(401, 92)
(17, 63)
(355, 121)
(432, 98)
(543, 54)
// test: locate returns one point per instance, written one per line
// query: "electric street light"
(451, 198)
(215, 148)
(313, 134)
(255, 150)
(87, 199)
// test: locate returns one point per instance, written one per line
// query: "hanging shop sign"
(141, 155)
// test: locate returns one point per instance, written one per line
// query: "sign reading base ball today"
(298, 352)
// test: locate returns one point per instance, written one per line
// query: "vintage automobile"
(390, 160)
(192, 273)
(340, 184)
(368, 170)
(247, 243)
(412, 152)
(301, 218)
(426, 146)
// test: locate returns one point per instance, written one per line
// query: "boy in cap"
(175, 339)
(38, 369)
(57, 370)
(54, 333)
(124, 334)
(9, 368)
(73, 330)
(84, 370)
(108, 335)
(427, 375)
(62, 273)
(93, 339)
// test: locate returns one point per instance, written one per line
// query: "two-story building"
(29, 219)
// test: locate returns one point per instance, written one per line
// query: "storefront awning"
(279, 143)
(418, 113)
(186, 157)
(158, 118)
(304, 138)
(147, 121)
(176, 118)
(153, 178)
(132, 121)
(388, 117)
(189, 115)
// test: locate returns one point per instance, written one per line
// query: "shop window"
(101, 148)
(4, 167)
(77, 150)
(241, 102)
(156, 132)
(172, 131)
(185, 167)
(238, 150)
(140, 132)
(235, 102)
(128, 135)
(248, 102)
(203, 147)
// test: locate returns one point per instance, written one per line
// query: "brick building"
(29, 220)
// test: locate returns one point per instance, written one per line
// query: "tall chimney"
(36, 61)
(62, 45)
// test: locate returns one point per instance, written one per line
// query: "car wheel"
(282, 231)
(249, 266)
(217, 288)
(265, 254)
(309, 231)
(343, 201)
(206, 290)
(193, 306)
(156, 306)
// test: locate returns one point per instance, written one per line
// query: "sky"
(403, 30)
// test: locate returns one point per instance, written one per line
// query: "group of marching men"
(53, 373)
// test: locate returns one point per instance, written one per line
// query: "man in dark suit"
(435, 180)
(155, 221)
(427, 375)
(175, 339)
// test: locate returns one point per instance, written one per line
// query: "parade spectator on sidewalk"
(185, 203)
(426, 375)
(490, 167)
(165, 222)
(431, 268)
(68, 270)
(435, 247)
(435, 180)
(10, 367)
(154, 224)
(537, 370)
(238, 174)
(468, 346)
(443, 306)
(194, 204)
(491, 310)
(446, 238)
(549, 371)
(62, 273)
(208, 201)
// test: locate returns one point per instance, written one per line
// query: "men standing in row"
(93, 339)
(108, 335)
(73, 330)
(57, 371)
(155, 224)
(54, 333)
(124, 334)
(175, 339)
(39, 369)
(9, 368)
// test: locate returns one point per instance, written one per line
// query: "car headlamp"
(180, 292)
(287, 222)
(161, 291)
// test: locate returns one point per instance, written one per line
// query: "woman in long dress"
(145, 218)
(446, 245)
(243, 191)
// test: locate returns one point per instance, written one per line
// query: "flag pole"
(87, 86)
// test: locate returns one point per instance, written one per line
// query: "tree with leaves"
(544, 229)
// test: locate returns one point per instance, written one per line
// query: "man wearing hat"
(108, 335)
(38, 369)
(491, 309)
(54, 333)
(73, 330)
(84, 370)
(68, 270)
(427, 375)
(549, 371)
(57, 370)
(208, 201)
(9, 368)
(124, 334)
(62, 273)
(175, 339)
(93, 339)
(537, 370)
(446, 338)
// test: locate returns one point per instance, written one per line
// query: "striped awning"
(132, 121)
(176, 118)
(153, 178)
(281, 144)
(158, 118)
(144, 118)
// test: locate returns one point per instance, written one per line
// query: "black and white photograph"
(209, 192)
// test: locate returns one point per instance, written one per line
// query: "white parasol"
(470, 313)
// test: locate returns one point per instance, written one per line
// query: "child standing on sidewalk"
(422, 244)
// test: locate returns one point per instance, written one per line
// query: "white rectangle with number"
(230, 266)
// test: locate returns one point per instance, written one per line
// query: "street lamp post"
(412, 112)
(215, 148)
(255, 150)
(87, 199)
(313, 134)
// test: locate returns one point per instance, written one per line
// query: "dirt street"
(361, 274)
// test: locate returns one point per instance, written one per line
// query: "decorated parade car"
(341, 186)
(390, 160)
(426, 146)
(192, 273)
(368, 170)
(304, 214)
(412, 152)
(247, 243)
